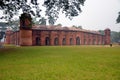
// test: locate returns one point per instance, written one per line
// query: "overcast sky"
(96, 15)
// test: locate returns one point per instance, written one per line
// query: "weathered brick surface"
(56, 37)
(25, 37)
(107, 36)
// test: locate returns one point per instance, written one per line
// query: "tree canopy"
(77, 27)
(115, 36)
(70, 8)
(118, 19)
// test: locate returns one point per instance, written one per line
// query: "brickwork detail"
(40, 37)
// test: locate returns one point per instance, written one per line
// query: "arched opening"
(89, 42)
(47, 41)
(38, 41)
(56, 41)
(99, 42)
(64, 41)
(77, 41)
(84, 41)
(71, 41)
(94, 41)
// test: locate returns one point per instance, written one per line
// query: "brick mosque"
(42, 35)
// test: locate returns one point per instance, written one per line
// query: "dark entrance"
(47, 41)
(38, 41)
(63, 41)
(94, 41)
(71, 41)
(56, 41)
(77, 41)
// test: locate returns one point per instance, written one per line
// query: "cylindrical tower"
(25, 29)
(107, 36)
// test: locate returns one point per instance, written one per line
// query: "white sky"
(96, 15)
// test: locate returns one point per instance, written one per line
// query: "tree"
(34, 20)
(14, 24)
(118, 19)
(77, 27)
(70, 8)
(115, 36)
(12, 7)
(3, 26)
(42, 21)
(80, 27)
(74, 26)
(102, 32)
(59, 24)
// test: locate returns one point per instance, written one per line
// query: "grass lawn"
(60, 63)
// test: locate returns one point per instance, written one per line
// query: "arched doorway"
(56, 41)
(47, 41)
(38, 41)
(64, 41)
(85, 42)
(77, 41)
(89, 42)
(71, 41)
(99, 42)
(94, 41)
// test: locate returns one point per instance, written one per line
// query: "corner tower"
(107, 36)
(7, 35)
(25, 29)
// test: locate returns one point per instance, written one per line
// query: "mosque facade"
(42, 35)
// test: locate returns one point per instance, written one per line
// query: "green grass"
(60, 63)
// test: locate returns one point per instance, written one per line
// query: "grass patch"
(60, 63)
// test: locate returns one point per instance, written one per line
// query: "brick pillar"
(67, 38)
(74, 38)
(52, 38)
(107, 36)
(43, 38)
(60, 37)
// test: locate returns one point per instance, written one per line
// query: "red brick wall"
(29, 38)
(25, 37)
(7, 39)
(107, 36)
(12, 37)
(85, 38)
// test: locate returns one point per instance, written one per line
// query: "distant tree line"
(77, 27)
(115, 36)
